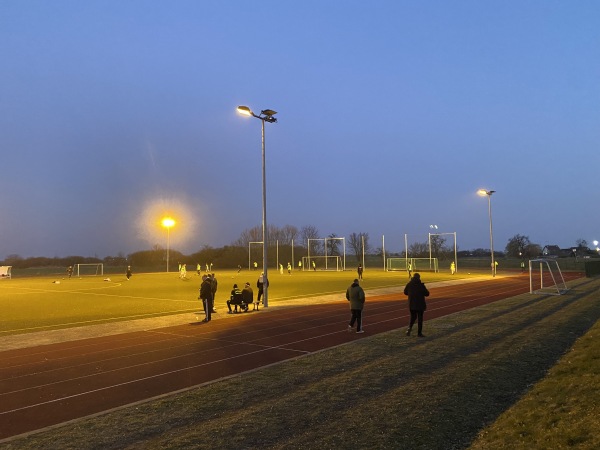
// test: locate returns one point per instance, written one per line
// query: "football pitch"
(49, 303)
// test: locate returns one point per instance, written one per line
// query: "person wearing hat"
(247, 297)
(235, 299)
(416, 291)
(356, 296)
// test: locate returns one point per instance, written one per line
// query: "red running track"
(51, 384)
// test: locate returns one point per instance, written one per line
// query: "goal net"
(545, 277)
(322, 263)
(417, 264)
(89, 269)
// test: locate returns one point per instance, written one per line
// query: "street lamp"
(266, 115)
(168, 222)
(483, 192)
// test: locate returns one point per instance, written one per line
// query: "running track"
(51, 384)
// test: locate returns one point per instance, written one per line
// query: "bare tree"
(333, 245)
(249, 235)
(355, 241)
(311, 232)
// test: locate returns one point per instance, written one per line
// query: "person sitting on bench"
(247, 296)
(235, 299)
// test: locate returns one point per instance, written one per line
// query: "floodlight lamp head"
(245, 110)
(267, 114)
(483, 192)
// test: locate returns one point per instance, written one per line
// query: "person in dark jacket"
(260, 284)
(248, 296)
(416, 292)
(356, 296)
(206, 296)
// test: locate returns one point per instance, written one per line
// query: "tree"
(517, 246)
(581, 244)
(311, 232)
(437, 245)
(418, 250)
(355, 241)
(333, 245)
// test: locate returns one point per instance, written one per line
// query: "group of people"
(241, 298)
(416, 291)
(208, 290)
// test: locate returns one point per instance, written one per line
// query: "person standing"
(314, 266)
(260, 284)
(213, 288)
(128, 273)
(281, 269)
(356, 296)
(409, 269)
(206, 296)
(70, 271)
(416, 292)
(360, 271)
(289, 268)
(452, 268)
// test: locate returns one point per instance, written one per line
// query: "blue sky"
(392, 114)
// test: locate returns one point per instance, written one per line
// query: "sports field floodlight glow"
(266, 115)
(483, 192)
(168, 223)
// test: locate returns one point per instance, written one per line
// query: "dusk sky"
(391, 115)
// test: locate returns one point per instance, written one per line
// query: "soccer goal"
(545, 277)
(89, 269)
(417, 264)
(322, 263)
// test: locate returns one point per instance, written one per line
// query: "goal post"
(545, 277)
(322, 263)
(92, 269)
(327, 243)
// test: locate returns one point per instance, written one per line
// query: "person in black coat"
(416, 292)
(206, 296)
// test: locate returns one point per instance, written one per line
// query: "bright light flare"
(163, 214)
(167, 222)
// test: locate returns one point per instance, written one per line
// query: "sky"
(391, 115)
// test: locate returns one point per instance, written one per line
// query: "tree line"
(283, 243)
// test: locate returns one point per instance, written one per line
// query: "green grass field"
(39, 303)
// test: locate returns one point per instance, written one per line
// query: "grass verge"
(486, 378)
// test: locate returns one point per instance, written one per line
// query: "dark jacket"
(247, 295)
(356, 296)
(206, 289)
(416, 292)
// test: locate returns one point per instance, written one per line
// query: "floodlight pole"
(266, 115)
(489, 196)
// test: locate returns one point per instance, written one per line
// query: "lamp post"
(266, 115)
(168, 222)
(483, 192)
